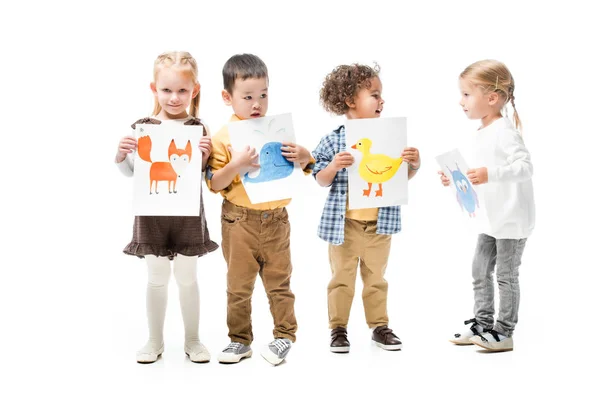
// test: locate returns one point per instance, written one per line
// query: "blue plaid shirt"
(331, 227)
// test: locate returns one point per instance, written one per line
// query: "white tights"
(159, 271)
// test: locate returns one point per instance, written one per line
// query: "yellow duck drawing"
(375, 168)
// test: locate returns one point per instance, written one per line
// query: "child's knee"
(185, 270)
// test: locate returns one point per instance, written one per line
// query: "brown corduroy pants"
(257, 242)
(361, 245)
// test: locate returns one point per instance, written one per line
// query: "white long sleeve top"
(508, 195)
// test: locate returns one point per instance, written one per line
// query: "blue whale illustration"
(273, 165)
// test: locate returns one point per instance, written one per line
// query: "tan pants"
(257, 243)
(361, 243)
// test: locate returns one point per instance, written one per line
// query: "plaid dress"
(331, 227)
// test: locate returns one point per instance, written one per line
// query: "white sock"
(159, 271)
(189, 297)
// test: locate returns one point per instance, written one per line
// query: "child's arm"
(295, 153)
(127, 145)
(327, 162)
(413, 158)
(341, 160)
(519, 166)
(240, 160)
(205, 147)
(445, 180)
(518, 169)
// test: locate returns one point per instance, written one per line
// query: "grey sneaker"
(234, 353)
(276, 351)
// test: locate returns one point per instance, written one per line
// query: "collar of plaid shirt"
(331, 227)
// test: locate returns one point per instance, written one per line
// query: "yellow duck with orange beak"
(375, 168)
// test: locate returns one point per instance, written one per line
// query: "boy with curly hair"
(355, 236)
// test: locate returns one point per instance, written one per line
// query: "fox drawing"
(165, 170)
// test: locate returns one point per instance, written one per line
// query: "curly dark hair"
(343, 83)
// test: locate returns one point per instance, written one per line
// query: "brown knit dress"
(167, 236)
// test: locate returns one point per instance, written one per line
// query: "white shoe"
(493, 341)
(234, 353)
(197, 352)
(149, 353)
(465, 337)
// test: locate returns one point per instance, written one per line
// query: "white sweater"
(508, 195)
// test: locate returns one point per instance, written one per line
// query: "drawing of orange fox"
(165, 170)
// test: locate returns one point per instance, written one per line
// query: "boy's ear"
(350, 102)
(153, 88)
(196, 90)
(493, 98)
(226, 97)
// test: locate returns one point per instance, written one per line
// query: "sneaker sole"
(197, 362)
(150, 362)
(340, 349)
(390, 347)
(461, 343)
(236, 360)
(493, 350)
(268, 355)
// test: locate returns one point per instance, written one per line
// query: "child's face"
(475, 103)
(249, 98)
(368, 102)
(174, 91)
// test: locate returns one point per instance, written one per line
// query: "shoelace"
(472, 328)
(491, 332)
(280, 345)
(233, 346)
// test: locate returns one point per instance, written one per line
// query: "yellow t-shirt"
(235, 192)
(362, 214)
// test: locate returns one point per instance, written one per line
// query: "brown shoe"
(339, 341)
(385, 338)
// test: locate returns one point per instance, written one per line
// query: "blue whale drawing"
(273, 165)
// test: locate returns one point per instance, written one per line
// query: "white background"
(76, 75)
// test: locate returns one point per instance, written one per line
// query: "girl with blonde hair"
(160, 239)
(503, 176)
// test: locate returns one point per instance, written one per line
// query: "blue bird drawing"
(465, 194)
(273, 165)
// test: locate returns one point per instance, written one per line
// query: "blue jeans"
(504, 255)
